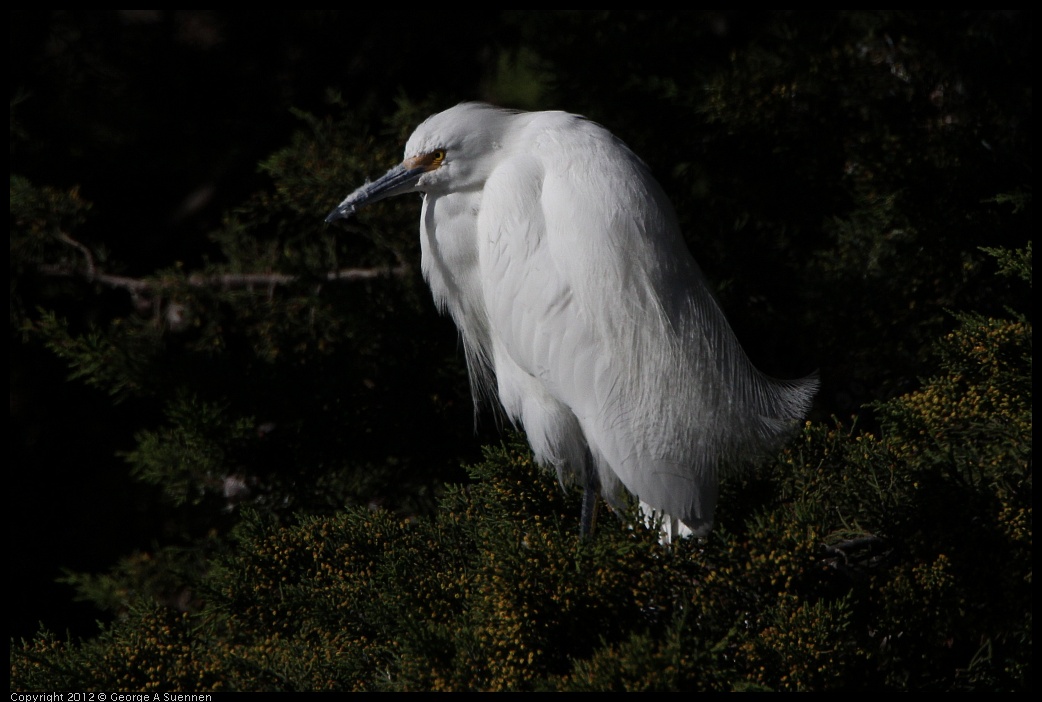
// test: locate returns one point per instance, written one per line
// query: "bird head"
(452, 150)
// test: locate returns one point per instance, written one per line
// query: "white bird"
(560, 259)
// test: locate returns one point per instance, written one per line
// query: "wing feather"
(598, 310)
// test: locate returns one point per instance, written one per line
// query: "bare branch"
(224, 281)
(855, 557)
(91, 268)
(246, 280)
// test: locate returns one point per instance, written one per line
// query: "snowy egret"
(560, 259)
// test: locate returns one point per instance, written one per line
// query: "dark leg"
(588, 521)
(591, 491)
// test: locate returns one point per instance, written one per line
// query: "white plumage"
(560, 259)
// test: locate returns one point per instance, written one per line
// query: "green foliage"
(40, 217)
(967, 438)
(496, 591)
(40, 214)
(158, 575)
(1013, 263)
(192, 452)
(116, 362)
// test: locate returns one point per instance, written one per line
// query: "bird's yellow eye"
(429, 161)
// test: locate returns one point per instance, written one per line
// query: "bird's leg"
(588, 520)
(591, 489)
